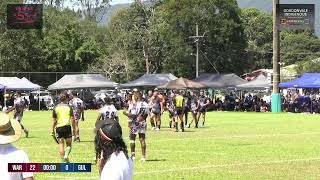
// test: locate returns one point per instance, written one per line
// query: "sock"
(196, 124)
(170, 124)
(158, 126)
(67, 151)
(62, 159)
(177, 126)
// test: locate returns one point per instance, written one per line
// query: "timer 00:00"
(49, 167)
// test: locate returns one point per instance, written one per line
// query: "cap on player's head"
(156, 90)
(107, 100)
(109, 129)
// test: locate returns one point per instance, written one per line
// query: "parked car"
(41, 96)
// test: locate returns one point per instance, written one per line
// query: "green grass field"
(231, 146)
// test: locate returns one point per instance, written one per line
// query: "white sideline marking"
(228, 165)
(63, 177)
(200, 167)
(239, 136)
(204, 138)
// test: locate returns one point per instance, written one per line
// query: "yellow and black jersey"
(62, 113)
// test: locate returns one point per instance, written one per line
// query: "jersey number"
(111, 114)
(142, 111)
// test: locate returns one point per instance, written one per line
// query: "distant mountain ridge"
(264, 5)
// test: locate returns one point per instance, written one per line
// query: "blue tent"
(307, 80)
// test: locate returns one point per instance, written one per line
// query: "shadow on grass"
(170, 130)
(156, 160)
(29, 137)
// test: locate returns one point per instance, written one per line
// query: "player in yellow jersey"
(62, 118)
(178, 106)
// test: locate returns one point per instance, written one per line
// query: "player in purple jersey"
(18, 107)
(138, 113)
(194, 110)
(78, 112)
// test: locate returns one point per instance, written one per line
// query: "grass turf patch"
(231, 146)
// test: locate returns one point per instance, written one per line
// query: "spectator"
(263, 107)
(10, 131)
(218, 105)
(111, 152)
(43, 105)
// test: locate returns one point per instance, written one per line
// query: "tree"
(223, 45)
(66, 45)
(258, 31)
(299, 46)
(311, 66)
(155, 38)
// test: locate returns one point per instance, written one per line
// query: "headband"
(105, 136)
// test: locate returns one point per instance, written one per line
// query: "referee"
(61, 127)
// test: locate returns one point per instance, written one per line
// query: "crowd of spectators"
(247, 102)
(294, 101)
(307, 101)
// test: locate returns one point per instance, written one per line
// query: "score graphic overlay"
(295, 16)
(49, 167)
(24, 16)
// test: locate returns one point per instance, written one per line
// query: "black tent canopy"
(82, 81)
(220, 81)
(259, 83)
(150, 80)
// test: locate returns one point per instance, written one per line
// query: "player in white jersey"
(18, 107)
(138, 113)
(194, 111)
(108, 111)
(78, 112)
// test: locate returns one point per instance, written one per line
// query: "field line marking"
(230, 165)
(238, 136)
(202, 167)
(63, 177)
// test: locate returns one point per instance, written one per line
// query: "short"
(171, 114)
(202, 110)
(186, 109)
(137, 127)
(194, 113)
(179, 111)
(64, 132)
(18, 116)
(76, 118)
(156, 112)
